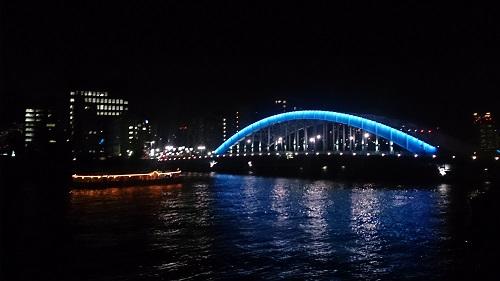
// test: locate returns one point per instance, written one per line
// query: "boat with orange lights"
(106, 180)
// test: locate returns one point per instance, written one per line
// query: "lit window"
(121, 107)
(93, 100)
(71, 100)
(125, 102)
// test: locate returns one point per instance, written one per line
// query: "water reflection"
(246, 227)
(365, 225)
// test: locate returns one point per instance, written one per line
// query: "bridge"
(317, 131)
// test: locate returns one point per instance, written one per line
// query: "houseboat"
(106, 180)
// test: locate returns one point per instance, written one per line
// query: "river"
(218, 226)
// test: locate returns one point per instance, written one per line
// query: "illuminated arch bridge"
(322, 131)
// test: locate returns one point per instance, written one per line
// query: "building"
(40, 131)
(140, 139)
(97, 125)
(281, 104)
(487, 132)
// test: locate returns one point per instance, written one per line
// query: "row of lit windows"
(110, 107)
(113, 101)
(34, 110)
(90, 93)
(33, 120)
(105, 113)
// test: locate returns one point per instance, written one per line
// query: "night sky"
(433, 64)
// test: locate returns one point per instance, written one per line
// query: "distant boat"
(106, 180)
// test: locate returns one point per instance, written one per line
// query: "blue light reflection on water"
(228, 227)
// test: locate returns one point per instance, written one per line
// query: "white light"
(474, 157)
(307, 153)
(383, 154)
(368, 154)
(366, 135)
(152, 152)
(351, 138)
(329, 153)
(416, 155)
(201, 147)
(341, 153)
(354, 154)
(277, 153)
(249, 163)
(312, 140)
(324, 168)
(212, 163)
(318, 137)
(496, 157)
(442, 171)
(249, 140)
(434, 156)
(399, 155)
(317, 153)
(453, 156)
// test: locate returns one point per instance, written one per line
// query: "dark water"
(227, 227)
(245, 227)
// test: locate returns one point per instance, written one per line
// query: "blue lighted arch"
(400, 138)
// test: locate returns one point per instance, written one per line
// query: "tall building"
(224, 129)
(140, 139)
(40, 129)
(487, 132)
(97, 128)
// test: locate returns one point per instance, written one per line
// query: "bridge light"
(201, 147)
(260, 154)
(366, 135)
(307, 153)
(341, 153)
(277, 153)
(249, 140)
(280, 139)
(354, 154)
(474, 157)
(318, 137)
(249, 163)
(351, 138)
(244, 154)
(317, 153)
(383, 154)
(434, 156)
(399, 154)
(296, 153)
(212, 163)
(324, 168)
(368, 154)
(453, 156)
(496, 158)
(312, 140)
(329, 153)
(416, 155)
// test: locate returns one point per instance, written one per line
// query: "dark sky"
(431, 63)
